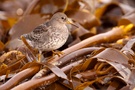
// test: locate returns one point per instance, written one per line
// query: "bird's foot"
(56, 52)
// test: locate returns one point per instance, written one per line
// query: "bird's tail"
(26, 36)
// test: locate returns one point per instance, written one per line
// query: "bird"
(51, 35)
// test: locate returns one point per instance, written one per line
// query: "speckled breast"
(56, 39)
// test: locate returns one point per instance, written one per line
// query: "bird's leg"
(56, 52)
(39, 56)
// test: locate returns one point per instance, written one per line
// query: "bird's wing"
(40, 33)
(40, 29)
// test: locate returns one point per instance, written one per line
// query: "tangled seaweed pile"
(100, 54)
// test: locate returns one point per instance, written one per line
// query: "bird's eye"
(63, 18)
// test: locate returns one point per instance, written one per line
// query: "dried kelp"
(99, 54)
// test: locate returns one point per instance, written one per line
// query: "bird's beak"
(69, 21)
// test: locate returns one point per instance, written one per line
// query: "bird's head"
(61, 18)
